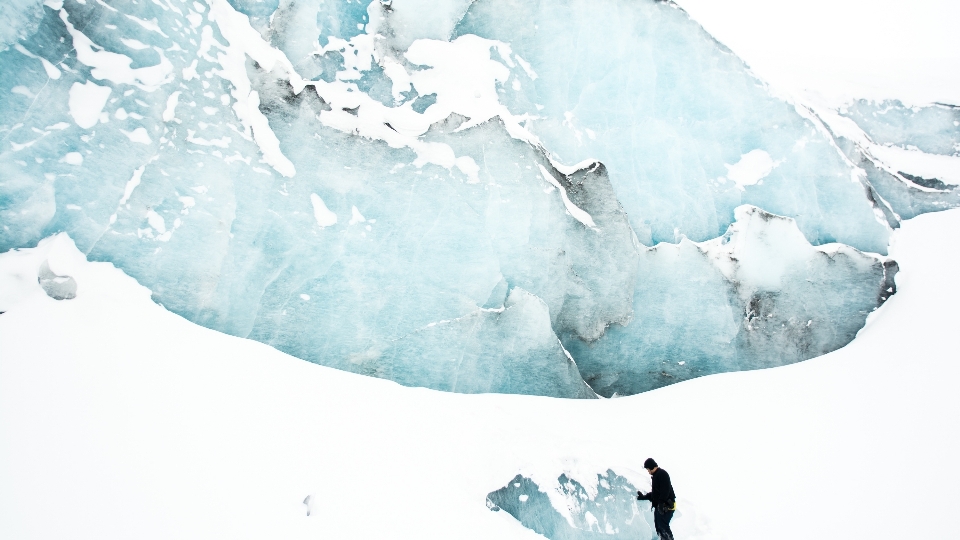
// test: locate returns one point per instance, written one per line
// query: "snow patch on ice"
(115, 67)
(73, 158)
(753, 167)
(86, 102)
(356, 216)
(324, 217)
(170, 110)
(919, 163)
(138, 135)
(575, 211)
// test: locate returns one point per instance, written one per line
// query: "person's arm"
(654, 491)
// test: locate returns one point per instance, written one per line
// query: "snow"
(575, 211)
(324, 217)
(753, 167)
(135, 422)
(356, 216)
(943, 168)
(86, 103)
(171, 109)
(115, 67)
(138, 135)
(73, 158)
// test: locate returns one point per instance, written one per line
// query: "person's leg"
(661, 521)
(667, 533)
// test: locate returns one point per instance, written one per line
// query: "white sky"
(844, 48)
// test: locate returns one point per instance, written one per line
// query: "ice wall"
(482, 196)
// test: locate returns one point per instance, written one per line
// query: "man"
(661, 497)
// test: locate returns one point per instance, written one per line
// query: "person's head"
(650, 465)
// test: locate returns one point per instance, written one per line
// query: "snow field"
(120, 419)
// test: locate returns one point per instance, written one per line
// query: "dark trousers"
(661, 520)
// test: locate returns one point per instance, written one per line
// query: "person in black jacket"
(661, 497)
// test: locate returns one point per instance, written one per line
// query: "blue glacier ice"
(758, 296)
(18, 20)
(899, 194)
(934, 129)
(571, 510)
(685, 110)
(569, 199)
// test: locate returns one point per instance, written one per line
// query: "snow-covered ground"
(119, 419)
(122, 420)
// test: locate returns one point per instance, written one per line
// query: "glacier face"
(579, 198)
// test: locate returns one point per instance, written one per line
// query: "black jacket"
(662, 493)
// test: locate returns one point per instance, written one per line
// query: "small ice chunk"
(56, 287)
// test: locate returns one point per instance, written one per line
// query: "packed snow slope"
(572, 199)
(119, 419)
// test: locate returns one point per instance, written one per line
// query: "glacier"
(582, 198)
